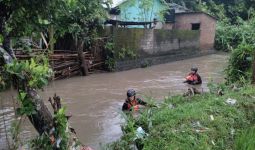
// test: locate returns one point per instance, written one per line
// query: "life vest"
(133, 104)
(191, 77)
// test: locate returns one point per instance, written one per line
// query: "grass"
(202, 122)
(245, 141)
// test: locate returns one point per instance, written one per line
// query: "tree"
(233, 9)
(190, 4)
(21, 17)
(81, 18)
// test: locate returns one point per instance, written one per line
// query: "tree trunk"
(51, 33)
(42, 120)
(7, 44)
(6, 38)
(1, 26)
(84, 66)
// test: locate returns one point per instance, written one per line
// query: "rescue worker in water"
(132, 103)
(193, 77)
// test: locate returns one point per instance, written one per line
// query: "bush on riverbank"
(240, 63)
(230, 36)
(239, 39)
(205, 121)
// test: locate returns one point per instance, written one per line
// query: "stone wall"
(149, 61)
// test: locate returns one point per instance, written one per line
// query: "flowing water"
(95, 101)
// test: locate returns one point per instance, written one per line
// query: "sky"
(115, 2)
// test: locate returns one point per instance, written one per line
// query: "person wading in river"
(132, 103)
(193, 77)
(194, 83)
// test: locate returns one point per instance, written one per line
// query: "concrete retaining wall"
(148, 43)
(155, 46)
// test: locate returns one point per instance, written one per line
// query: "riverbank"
(206, 121)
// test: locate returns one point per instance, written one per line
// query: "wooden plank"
(63, 66)
(96, 64)
(44, 40)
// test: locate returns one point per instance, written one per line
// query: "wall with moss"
(129, 39)
(148, 43)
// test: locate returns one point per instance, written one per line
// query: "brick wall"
(168, 26)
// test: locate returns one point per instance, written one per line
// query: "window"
(195, 26)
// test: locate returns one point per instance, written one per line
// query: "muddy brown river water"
(95, 101)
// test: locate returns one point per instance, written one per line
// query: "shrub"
(240, 63)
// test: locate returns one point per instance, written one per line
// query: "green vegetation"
(229, 36)
(245, 140)
(80, 18)
(113, 55)
(1, 39)
(34, 74)
(240, 63)
(224, 10)
(44, 141)
(110, 56)
(204, 121)
(240, 41)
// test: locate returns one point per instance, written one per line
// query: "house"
(141, 10)
(161, 15)
(205, 23)
(139, 13)
(133, 11)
